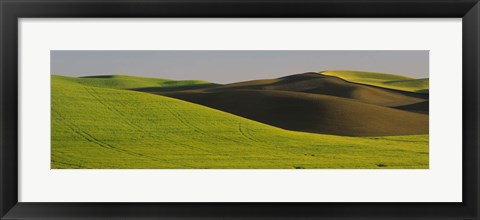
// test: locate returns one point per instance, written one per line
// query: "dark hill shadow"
(312, 112)
(421, 107)
(176, 88)
(99, 76)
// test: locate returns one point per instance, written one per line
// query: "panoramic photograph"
(239, 109)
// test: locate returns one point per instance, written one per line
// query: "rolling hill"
(391, 81)
(94, 127)
(131, 82)
(316, 103)
(327, 85)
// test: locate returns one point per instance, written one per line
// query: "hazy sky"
(234, 65)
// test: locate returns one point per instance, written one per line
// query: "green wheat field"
(331, 119)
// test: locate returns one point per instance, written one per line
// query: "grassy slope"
(109, 128)
(384, 80)
(131, 82)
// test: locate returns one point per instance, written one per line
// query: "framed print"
(223, 109)
(333, 119)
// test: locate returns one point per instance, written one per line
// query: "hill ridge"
(131, 82)
(381, 80)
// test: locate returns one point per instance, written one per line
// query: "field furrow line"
(111, 108)
(244, 133)
(133, 125)
(100, 143)
(198, 130)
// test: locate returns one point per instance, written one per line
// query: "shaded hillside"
(328, 85)
(311, 112)
(421, 107)
(102, 128)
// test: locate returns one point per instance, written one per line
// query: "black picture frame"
(12, 10)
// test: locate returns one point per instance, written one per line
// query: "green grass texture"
(104, 128)
(384, 80)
